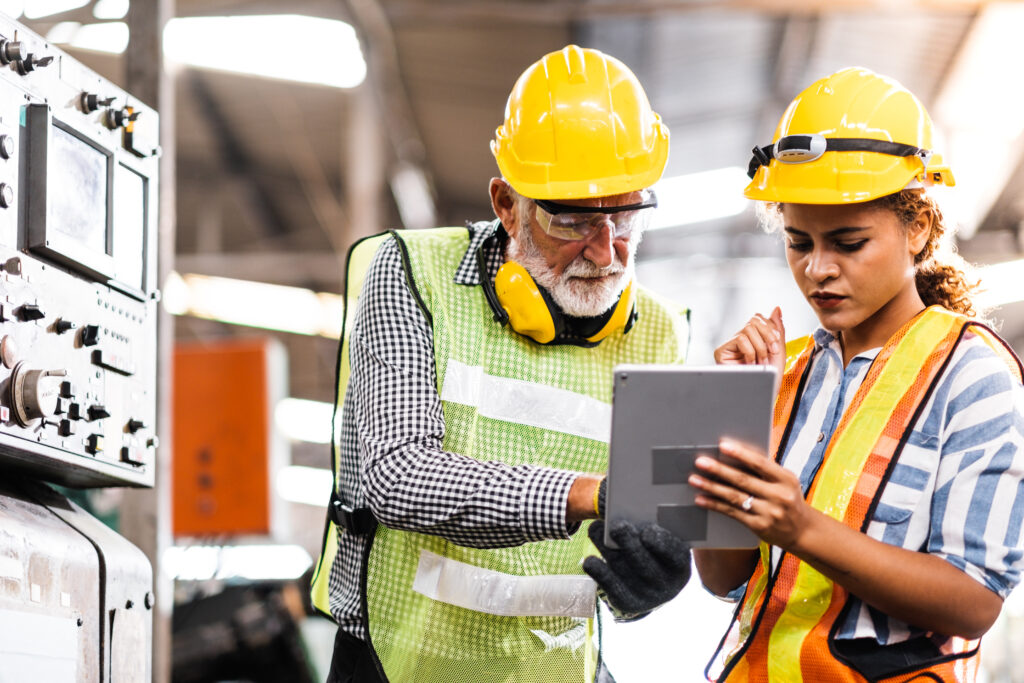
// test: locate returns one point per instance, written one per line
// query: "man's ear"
(504, 205)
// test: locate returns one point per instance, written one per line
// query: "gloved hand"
(649, 568)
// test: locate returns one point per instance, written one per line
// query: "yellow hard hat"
(578, 124)
(850, 137)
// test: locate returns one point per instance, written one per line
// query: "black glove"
(649, 568)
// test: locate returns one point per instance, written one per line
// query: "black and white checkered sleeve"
(405, 476)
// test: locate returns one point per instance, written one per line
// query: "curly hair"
(942, 277)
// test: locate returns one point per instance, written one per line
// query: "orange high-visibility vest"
(784, 628)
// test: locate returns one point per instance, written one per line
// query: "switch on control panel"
(90, 335)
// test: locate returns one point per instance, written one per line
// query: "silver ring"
(747, 503)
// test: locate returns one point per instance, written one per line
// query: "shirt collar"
(468, 272)
(823, 339)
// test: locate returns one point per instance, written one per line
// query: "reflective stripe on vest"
(783, 625)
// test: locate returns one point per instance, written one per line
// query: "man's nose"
(600, 245)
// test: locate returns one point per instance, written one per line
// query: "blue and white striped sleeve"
(978, 502)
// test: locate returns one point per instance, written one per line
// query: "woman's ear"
(919, 231)
(504, 205)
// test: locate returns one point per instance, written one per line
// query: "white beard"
(575, 292)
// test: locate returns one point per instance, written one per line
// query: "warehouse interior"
(293, 129)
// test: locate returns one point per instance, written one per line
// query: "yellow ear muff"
(527, 311)
(620, 316)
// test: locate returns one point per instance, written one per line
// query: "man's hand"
(649, 568)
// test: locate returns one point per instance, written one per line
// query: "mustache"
(581, 267)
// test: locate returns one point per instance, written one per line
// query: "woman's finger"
(752, 458)
(716, 477)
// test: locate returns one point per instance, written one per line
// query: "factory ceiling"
(275, 179)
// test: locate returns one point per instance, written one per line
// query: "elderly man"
(474, 389)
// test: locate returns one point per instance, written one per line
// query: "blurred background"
(298, 127)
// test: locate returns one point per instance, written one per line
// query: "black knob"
(91, 102)
(66, 428)
(75, 411)
(63, 325)
(12, 51)
(135, 425)
(31, 63)
(29, 312)
(98, 412)
(67, 389)
(6, 146)
(94, 443)
(90, 335)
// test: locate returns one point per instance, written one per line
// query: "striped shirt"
(957, 490)
(392, 427)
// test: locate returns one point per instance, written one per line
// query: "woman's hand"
(762, 341)
(763, 495)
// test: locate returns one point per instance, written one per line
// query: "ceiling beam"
(255, 198)
(318, 269)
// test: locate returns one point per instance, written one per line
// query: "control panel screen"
(78, 191)
(130, 226)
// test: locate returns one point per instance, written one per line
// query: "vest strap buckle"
(356, 521)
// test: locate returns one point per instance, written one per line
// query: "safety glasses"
(568, 222)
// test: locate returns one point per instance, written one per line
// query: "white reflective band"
(485, 590)
(527, 403)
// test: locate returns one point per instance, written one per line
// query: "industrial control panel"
(78, 287)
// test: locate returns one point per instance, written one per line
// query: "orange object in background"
(225, 452)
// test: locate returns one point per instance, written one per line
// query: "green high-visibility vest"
(439, 612)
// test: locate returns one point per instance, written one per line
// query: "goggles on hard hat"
(568, 222)
(799, 149)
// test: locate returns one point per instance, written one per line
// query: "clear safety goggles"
(568, 222)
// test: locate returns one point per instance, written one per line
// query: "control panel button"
(98, 412)
(8, 351)
(13, 265)
(67, 389)
(29, 312)
(66, 428)
(6, 196)
(75, 411)
(135, 425)
(131, 455)
(33, 393)
(6, 146)
(62, 406)
(90, 335)
(62, 326)
(112, 361)
(91, 102)
(12, 51)
(94, 443)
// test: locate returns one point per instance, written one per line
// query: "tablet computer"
(663, 417)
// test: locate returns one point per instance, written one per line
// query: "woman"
(890, 511)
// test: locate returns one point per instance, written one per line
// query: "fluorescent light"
(1001, 283)
(63, 32)
(251, 562)
(309, 485)
(981, 114)
(38, 9)
(110, 37)
(110, 9)
(12, 8)
(699, 197)
(303, 420)
(255, 304)
(285, 46)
